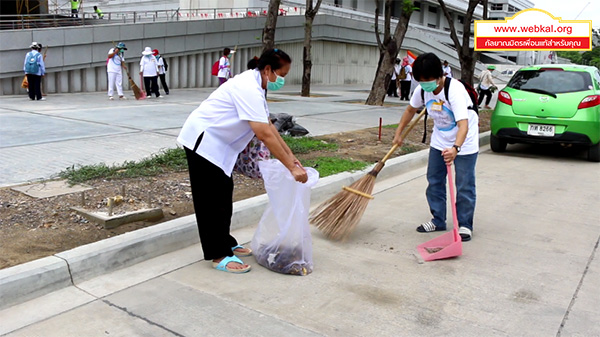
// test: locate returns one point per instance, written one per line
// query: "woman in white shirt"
(149, 69)
(224, 67)
(455, 139)
(213, 136)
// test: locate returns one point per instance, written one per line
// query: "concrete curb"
(33, 279)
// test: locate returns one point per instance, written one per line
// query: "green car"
(544, 104)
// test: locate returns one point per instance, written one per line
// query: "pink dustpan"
(446, 245)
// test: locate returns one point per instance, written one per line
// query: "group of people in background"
(401, 80)
(152, 67)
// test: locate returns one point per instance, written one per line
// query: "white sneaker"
(111, 98)
(123, 97)
(160, 96)
(42, 99)
(465, 233)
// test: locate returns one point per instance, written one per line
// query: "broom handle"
(404, 133)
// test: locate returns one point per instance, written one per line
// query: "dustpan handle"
(404, 133)
(453, 200)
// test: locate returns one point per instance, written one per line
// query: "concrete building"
(344, 45)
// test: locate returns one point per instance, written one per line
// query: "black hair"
(276, 58)
(226, 51)
(253, 63)
(95, 7)
(427, 66)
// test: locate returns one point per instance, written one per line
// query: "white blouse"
(223, 118)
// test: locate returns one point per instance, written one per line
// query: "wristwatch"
(456, 147)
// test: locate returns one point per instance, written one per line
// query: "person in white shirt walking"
(455, 139)
(446, 69)
(486, 83)
(114, 65)
(162, 70)
(405, 79)
(149, 70)
(224, 67)
(213, 136)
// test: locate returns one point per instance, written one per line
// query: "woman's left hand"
(449, 155)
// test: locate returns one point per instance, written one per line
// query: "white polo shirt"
(445, 120)
(223, 118)
(149, 66)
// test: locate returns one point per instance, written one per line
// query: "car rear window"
(556, 81)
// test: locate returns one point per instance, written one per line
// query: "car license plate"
(541, 130)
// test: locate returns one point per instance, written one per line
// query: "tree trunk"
(309, 14)
(307, 58)
(391, 46)
(467, 56)
(268, 37)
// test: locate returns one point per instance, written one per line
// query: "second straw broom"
(338, 216)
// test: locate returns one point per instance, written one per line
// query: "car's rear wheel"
(594, 153)
(497, 144)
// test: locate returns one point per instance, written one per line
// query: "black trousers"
(151, 85)
(487, 93)
(212, 191)
(35, 86)
(392, 90)
(404, 90)
(163, 81)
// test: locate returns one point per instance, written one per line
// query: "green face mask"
(429, 86)
(278, 84)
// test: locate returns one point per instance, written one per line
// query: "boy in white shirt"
(149, 69)
(455, 139)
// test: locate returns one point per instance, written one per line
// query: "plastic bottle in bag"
(282, 241)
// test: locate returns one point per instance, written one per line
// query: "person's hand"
(397, 138)
(449, 155)
(297, 162)
(299, 174)
(141, 72)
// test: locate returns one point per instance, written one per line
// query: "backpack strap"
(447, 81)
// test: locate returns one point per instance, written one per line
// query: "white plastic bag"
(282, 241)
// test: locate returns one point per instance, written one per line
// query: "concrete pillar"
(199, 70)
(8, 85)
(183, 71)
(192, 73)
(75, 79)
(174, 70)
(62, 82)
(89, 80)
(101, 78)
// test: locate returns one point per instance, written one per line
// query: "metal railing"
(63, 16)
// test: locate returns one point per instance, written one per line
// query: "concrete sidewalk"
(531, 270)
(38, 139)
(41, 138)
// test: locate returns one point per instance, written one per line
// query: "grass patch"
(308, 144)
(390, 126)
(167, 160)
(328, 165)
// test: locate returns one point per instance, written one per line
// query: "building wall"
(344, 50)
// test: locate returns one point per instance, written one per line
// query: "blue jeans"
(465, 188)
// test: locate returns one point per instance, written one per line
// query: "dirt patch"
(33, 228)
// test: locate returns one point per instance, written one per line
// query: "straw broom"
(338, 216)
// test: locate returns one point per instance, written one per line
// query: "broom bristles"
(338, 216)
(137, 92)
